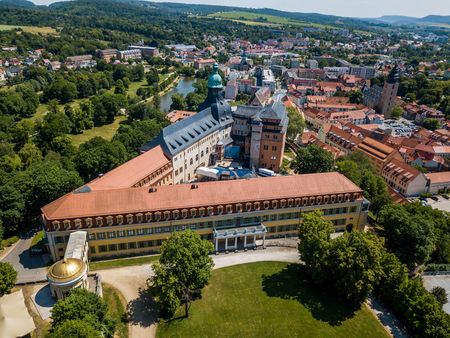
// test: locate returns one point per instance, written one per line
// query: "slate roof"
(181, 135)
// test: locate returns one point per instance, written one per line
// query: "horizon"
(345, 8)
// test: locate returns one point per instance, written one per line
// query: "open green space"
(269, 299)
(122, 262)
(117, 309)
(30, 29)
(261, 19)
(106, 131)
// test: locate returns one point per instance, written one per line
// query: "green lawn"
(269, 299)
(121, 262)
(107, 132)
(38, 239)
(249, 18)
(30, 29)
(117, 309)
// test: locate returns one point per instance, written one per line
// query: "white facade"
(186, 162)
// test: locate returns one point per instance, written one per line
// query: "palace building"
(236, 214)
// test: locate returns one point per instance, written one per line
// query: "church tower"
(389, 94)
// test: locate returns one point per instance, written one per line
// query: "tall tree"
(314, 245)
(410, 237)
(355, 265)
(312, 159)
(184, 268)
(296, 123)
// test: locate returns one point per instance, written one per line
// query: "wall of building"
(197, 155)
(135, 239)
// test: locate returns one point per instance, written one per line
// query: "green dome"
(215, 80)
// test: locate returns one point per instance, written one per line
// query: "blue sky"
(352, 8)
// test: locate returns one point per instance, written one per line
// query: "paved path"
(439, 279)
(131, 282)
(29, 268)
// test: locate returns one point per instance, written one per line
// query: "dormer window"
(109, 220)
(99, 221)
(129, 218)
(119, 219)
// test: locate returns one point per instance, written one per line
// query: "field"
(107, 132)
(269, 299)
(117, 309)
(121, 262)
(268, 20)
(30, 29)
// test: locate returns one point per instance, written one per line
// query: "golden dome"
(66, 270)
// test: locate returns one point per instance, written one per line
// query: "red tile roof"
(180, 196)
(131, 172)
(442, 177)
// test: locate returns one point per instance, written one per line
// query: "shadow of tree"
(143, 310)
(292, 283)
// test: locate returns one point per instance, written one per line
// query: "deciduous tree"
(184, 268)
(8, 277)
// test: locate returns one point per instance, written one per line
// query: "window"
(220, 209)
(121, 233)
(166, 215)
(248, 207)
(109, 220)
(112, 247)
(130, 233)
(196, 157)
(257, 205)
(193, 212)
(184, 213)
(201, 212)
(66, 224)
(100, 235)
(274, 204)
(266, 205)
(99, 221)
(119, 219)
(229, 209)
(130, 218)
(274, 148)
(132, 245)
(122, 246)
(157, 216)
(266, 147)
(239, 207)
(78, 223)
(140, 232)
(111, 234)
(55, 225)
(91, 237)
(139, 217)
(148, 216)
(102, 248)
(175, 214)
(191, 162)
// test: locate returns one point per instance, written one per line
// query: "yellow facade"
(143, 238)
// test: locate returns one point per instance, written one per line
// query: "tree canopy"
(184, 268)
(8, 277)
(87, 307)
(312, 159)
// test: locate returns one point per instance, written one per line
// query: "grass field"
(121, 262)
(117, 309)
(269, 299)
(107, 132)
(251, 18)
(30, 29)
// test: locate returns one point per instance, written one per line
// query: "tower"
(255, 143)
(215, 89)
(389, 94)
(259, 74)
